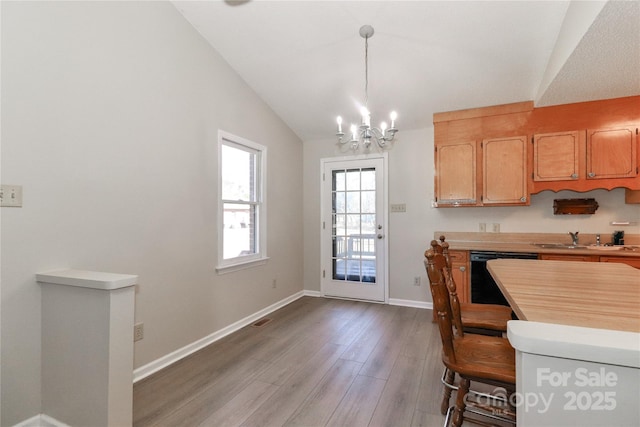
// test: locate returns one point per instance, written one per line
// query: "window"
(241, 228)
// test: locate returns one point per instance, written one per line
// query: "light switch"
(11, 196)
(398, 207)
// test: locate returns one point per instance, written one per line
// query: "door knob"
(380, 236)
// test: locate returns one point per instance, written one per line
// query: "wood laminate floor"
(317, 362)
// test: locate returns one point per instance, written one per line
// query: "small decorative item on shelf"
(574, 206)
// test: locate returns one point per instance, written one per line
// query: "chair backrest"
(445, 252)
(456, 314)
(435, 264)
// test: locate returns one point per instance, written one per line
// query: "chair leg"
(458, 414)
(448, 381)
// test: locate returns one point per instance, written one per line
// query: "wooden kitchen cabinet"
(584, 157)
(456, 173)
(612, 153)
(504, 171)
(633, 262)
(460, 271)
(573, 257)
(579, 147)
(631, 196)
(559, 156)
(503, 180)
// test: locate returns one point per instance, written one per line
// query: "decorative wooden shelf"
(574, 206)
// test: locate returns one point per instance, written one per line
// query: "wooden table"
(598, 295)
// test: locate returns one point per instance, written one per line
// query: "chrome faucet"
(574, 237)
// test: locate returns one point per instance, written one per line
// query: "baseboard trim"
(41, 420)
(411, 303)
(164, 361)
(392, 301)
(315, 294)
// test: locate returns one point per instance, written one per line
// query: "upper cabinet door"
(455, 182)
(612, 153)
(558, 156)
(505, 171)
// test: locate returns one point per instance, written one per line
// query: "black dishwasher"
(484, 289)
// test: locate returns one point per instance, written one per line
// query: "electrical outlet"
(138, 331)
(11, 196)
(495, 227)
(416, 281)
(482, 227)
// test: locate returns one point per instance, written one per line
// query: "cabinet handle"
(591, 174)
(574, 176)
(463, 268)
(523, 199)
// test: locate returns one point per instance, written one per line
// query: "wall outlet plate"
(138, 331)
(11, 196)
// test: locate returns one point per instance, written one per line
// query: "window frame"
(260, 256)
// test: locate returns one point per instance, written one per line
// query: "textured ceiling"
(606, 62)
(306, 58)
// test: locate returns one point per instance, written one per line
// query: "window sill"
(230, 268)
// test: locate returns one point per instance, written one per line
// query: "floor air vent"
(261, 322)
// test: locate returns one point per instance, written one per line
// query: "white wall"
(411, 173)
(110, 113)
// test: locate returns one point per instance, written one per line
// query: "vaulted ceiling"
(306, 58)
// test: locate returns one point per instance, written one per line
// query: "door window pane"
(368, 201)
(354, 241)
(353, 202)
(368, 179)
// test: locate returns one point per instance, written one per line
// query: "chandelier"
(364, 134)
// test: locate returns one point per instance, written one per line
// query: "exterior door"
(354, 226)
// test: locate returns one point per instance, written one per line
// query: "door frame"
(325, 247)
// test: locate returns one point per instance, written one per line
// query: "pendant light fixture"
(364, 134)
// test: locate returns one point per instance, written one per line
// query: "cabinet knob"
(463, 268)
(574, 176)
(591, 174)
(523, 199)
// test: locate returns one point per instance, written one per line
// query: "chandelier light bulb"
(366, 116)
(339, 120)
(354, 132)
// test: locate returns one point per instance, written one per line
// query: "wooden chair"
(486, 359)
(486, 319)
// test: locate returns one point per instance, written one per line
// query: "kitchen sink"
(559, 246)
(606, 248)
